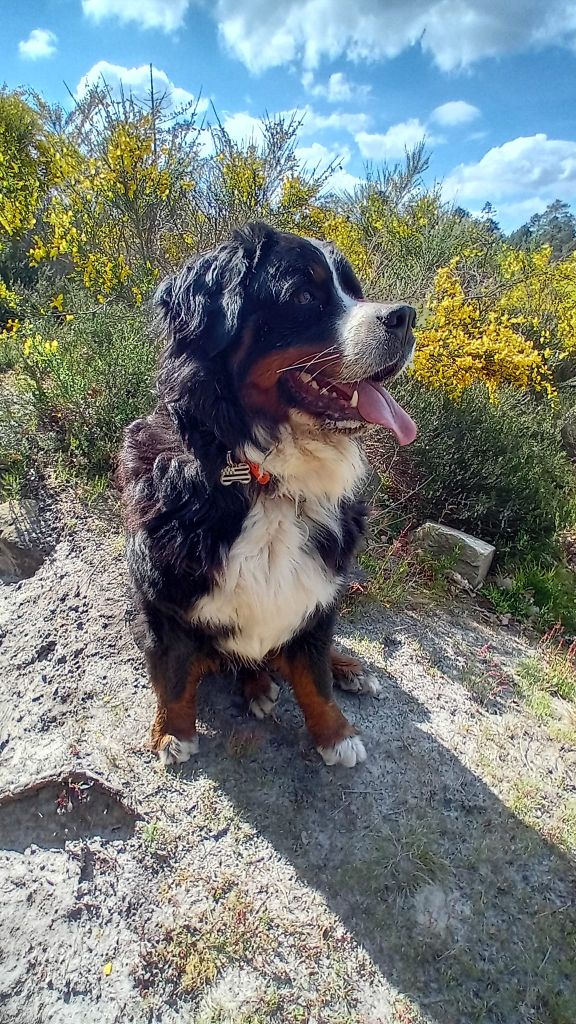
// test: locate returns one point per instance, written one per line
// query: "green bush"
(17, 439)
(83, 394)
(497, 470)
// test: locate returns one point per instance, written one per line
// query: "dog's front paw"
(264, 703)
(347, 752)
(171, 750)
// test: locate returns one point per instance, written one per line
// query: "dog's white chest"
(271, 582)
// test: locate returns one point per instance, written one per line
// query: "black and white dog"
(241, 489)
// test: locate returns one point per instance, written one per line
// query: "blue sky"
(491, 84)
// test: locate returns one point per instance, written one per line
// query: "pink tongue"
(376, 405)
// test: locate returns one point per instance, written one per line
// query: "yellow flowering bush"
(121, 187)
(461, 344)
(9, 299)
(21, 170)
(39, 354)
(543, 292)
(243, 178)
(99, 218)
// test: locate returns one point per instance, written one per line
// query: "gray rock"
(21, 550)
(472, 557)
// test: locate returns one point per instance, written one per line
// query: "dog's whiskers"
(304, 366)
(319, 356)
(333, 359)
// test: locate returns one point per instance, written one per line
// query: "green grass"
(549, 673)
(398, 571)
(233, 931)
(157, 840)
(18, 425)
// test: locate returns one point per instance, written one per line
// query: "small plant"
(550, 673)
(537, 592)
(527, 800)
(562, 830)
(193, 956)
(485, 679)
(402, 859)
(157, 840)
(399, 570)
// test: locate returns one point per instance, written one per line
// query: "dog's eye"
(303, 296)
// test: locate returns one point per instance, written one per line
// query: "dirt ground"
(253, 883)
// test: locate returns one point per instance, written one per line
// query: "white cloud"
(167, 15)
(395, 141)
(455, 112)
(534, 165)
(321, 158)
(136, 81)
(337, 121)
(342, 181)
(318, 156)
(456, 33)
(242, 127)
(338, 88)
(40, 43)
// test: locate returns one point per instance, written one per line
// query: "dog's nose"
(398, 320)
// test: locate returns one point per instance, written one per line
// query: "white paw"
(366, 682)
(264, 704)
(176, 751)
(347, 753)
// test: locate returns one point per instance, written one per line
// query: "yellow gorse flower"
(460, 344)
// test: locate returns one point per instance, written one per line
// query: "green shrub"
(497, 470)
(97, 380)
(17, 433)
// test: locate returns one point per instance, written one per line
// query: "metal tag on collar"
(235, 472)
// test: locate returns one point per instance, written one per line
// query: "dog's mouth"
(349, 407)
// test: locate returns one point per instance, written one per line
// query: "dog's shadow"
(464, 908)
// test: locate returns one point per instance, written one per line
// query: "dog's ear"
(201, 305)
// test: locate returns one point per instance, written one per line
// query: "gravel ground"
(254, 884)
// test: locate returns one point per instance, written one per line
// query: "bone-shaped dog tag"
(235, 473)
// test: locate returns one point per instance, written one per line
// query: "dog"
(241, 491)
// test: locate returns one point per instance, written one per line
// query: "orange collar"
(258, 473)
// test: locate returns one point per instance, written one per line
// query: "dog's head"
(271, 328)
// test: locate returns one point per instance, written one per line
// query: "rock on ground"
(469, 556)
(22, 539)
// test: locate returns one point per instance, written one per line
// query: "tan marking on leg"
(174, 735)
(344, 664)
(324, 720)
